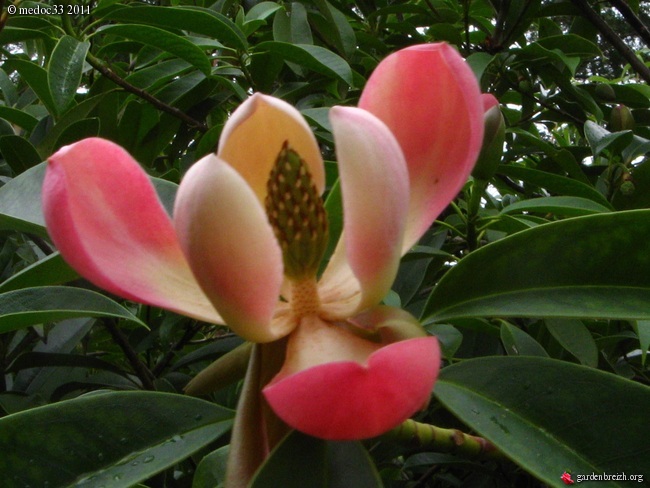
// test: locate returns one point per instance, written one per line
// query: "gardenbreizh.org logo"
(568, 478)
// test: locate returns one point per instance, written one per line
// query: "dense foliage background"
(536, 281)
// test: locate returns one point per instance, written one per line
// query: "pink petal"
(253, 137)
(375, 189)
(430, 99)
(231, 248)
(359, 390)
(489, 101)
(105, 218)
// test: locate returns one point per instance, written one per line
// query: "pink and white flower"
(353, 368)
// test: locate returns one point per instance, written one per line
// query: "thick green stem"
(444, 440)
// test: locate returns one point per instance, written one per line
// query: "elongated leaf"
(19, 153)
(30, 306)
(301, 461)
(36, 78)
(549, 416)
(90, 441)
(518, 343)
(594, 266)
(162, 39)
(51, 270)
(64, 71)
(554, 183)
(42, 359)
(211, 471)
(18, 117)
(315, 58)
(567, 206)
(20, 202)
(575, 338)
(600, 139)
(194, 19)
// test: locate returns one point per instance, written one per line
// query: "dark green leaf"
(90, 441)
(194, 19)
(313, 57)
(64, 70)
(518, 343)
(51, 270)
(300, 461)
(36, 78)
(567, 206)
(18, 117)
(554, 183)
(600, 139)
(575, 338)
(18, 153)
(165, 40)
(593, 266)
(550, 416)
(31, 306)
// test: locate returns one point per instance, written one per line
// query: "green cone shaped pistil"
(297, 215)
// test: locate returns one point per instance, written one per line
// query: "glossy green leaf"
(300, 461)
(518, 343)
(566, 206)
(36, 305)
(194, 19)
(51, 270)
(561, 185)
(18, 117)
(593, 266)
(550, 416)
(336, 27)
(65, 69)
(315, 58)
(31, 360)
(571, 45)
(19, 153)
(90, 441)
(574, 336)
(36, 78)
(600, 139)
(78, 130)
(211, 471)
(20, 202)
(162, 39)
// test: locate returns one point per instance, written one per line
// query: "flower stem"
(444, 440)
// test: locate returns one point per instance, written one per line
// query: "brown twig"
(608, 33)
(140, 369)
(159, 104)
(635, 22)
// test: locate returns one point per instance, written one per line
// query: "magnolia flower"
(249, 232)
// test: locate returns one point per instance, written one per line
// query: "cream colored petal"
(231, 248)
(253, 137)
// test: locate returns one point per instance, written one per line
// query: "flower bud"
(621, 118)
(605, 92)
(493, 138)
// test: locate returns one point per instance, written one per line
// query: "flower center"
(304, 297)
(297, 215)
